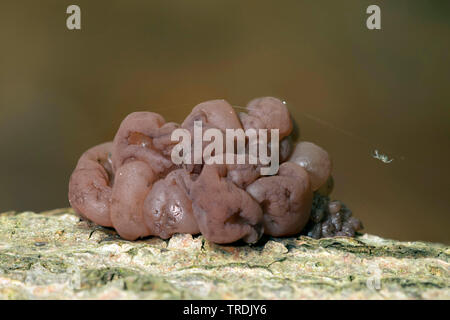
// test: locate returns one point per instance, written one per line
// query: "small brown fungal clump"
(133, 185)
(330, 219)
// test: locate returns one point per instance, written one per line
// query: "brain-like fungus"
(286, 200)
(133, 185)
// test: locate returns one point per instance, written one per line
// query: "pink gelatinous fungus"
(286, 200)
(168, 208)
(133, 185)
(267, 113)
(144, 136)
(213, 114)
(224, 212)
(90, 185)
(133, 181)
(315, 160)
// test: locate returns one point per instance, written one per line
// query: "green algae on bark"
(56, 255)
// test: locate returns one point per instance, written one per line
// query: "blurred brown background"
(351, 90)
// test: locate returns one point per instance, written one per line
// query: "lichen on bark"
(56, 255)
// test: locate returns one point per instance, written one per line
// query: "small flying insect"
(382, 157)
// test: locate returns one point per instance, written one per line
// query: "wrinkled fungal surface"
(286, 200)
(132, 184)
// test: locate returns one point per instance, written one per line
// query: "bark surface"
(56, 255)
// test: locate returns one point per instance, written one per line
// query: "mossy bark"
(56, 255)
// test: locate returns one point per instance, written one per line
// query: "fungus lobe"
(133, 185)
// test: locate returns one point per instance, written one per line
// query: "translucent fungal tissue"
(133, 185)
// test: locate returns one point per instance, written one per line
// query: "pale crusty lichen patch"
(56, 255)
